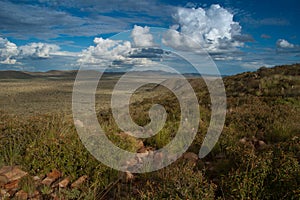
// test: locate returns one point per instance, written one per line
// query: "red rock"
(35, 195)
(55, 174)
(48, 181)
(51, 177)
(12, 185)
(9, 174)
(21, 195)
(79, 181)
(64, 183)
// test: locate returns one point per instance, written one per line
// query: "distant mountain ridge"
(284, 70)
(10, 74)
(14, 75)
(281, 80)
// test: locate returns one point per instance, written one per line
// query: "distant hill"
(281, 80)
(268, 82)
(14, 75)
(69, 74)
(277, 81)
(54, 73)
(30, 75)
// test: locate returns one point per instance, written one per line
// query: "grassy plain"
(257, 156)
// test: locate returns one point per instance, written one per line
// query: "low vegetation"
(256, 157)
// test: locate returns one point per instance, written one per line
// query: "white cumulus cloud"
(213, 28)
(8, 51)
(9, 61)
(105, 52)
(118, 54)
(283, 46)
(13, 55)
(38, 50)
(142, 37)
(281, 43)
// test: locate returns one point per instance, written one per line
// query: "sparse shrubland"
(256, 157)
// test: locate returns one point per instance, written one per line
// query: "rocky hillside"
(278, 81)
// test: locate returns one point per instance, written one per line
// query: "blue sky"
(40, 35)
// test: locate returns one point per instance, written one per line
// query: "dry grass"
(37, 132)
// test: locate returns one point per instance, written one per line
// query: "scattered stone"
(190, 156)
(54, 174)
(79, 123)
(64, 183)
(48, 181)
(36, 178)
(261, 143)
(51, 177)
(253, 142)
(4, 194)
(22, 195)
(123, 134)
(140, 144)
(127, 176)
(295, 138)
(243, 140)
(9, 174)
(12, 185)
(145, 150)
(36, 195)
(79, 181)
